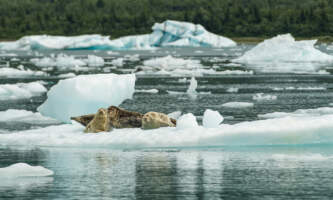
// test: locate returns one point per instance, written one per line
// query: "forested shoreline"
(231, 18)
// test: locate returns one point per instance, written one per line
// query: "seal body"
(152, 120)
(100, 122)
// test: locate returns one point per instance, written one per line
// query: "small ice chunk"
(68, 75)
(94, 61)
(192, 87)
(264, 97)
(232, 90)
(152, 91)
(119, 62)
(85, 94)
(24, 170)
(20, 72)
(211, 119)
(237, 105)
(175, 115)
(21, 90)
(187, 121)
(25, 116)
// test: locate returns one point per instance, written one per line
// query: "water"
(250, 172)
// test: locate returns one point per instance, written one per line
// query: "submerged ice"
(85, 94)
(168, 33)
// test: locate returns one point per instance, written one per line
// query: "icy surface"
(237, 104)
(284, 48)
(306, 157)
(19, 73)
(24, 170)
(13, 115)
(85, 94)
(168, 33)
(191, 90)
(299, 113)
(300, 130)
(211, 119)
(152, 91)
(21, 90)
(264, 97)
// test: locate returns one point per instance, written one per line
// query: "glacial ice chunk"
(13, 115)
(237, 104)
(19, 73)
(24, 170)
(211, 119)
(299, 113)
(187, 121)
(191, 90)
(284, 48)
(21, 90)
(85, 94)
(168, 33)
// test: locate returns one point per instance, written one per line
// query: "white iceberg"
(152, 91)
(237, 104)
(13, 115)
(284, 48)
(211, 119)
(63, 61)
(20, 72)
(21, 90)
(299, 131)
(192, 88)
(85, 94)
(24, 170)
(168, 33)
(299, 113)
(264, 97)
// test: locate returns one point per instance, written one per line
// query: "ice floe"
(298, 88)
(284, 54)
(192, 88)
(63, 61)
(301, 157)
(238, 104)
(264, 97)
(13, 115)
(168, 33)
(20, 72)
(21, 90)
(299, 113)
(300, 130)
(85, 94)
(152, 91)
(24, 170)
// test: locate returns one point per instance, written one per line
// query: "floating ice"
(301, 157)
(119, 62)
(170, 63)
(21, 90)
(237, 105)
(299, 131)
(21, 72)
(168, 33)
(211, 119)
(264, 97)
(63, 61)
(299, 88)
(284, 48)
(85, 94)
(24, 170)
(68, 75)
(187, 121)
(234, 72)
(13, 115)
(299, 113)
(283, 54)
(232, 90)
(175, 115)
(191, 90)
(152, 91)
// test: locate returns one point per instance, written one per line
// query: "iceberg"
(300, 131)
(21, 90)
(167, 33)
(284, 54)
(237, 104)
(24, 170)
(284, 48)
(85, 94)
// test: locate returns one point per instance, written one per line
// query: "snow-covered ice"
(24, 170)
(13, 115)
(238, 104)
(168, 33)
(21, 90)
(85, 94)
(21, 72)
(284, 48)
(211, 119)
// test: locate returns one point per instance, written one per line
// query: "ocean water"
(212, 172)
